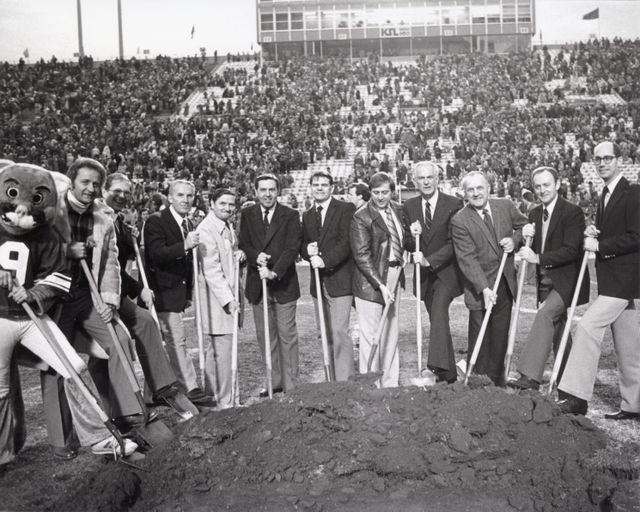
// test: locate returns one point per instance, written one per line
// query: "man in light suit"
(218, 254)
(168, 257)
(556, 227)
(482, 231)
(428, 216)
(615, 239)
(270, 236)
(376, 245)
(325, 244)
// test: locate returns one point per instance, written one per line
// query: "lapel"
(437, 217)
(555, 217)
(257, 226)
(328, 220)
(172, 225)
(536, 217)
(275, 223)
(617, 194)
(376, 217)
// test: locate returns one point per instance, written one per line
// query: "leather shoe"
(135, 420)
(198, 397)
(573, 405)
(264, 393)
(524, 382)
(623, 415)
(64, 452)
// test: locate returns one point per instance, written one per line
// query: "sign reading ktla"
(395, 31)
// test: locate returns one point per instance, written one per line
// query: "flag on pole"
(26, 53)
(193, 30)
(593, 15)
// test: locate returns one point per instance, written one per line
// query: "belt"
(395, 263)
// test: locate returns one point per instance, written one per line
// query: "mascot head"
(28, 198)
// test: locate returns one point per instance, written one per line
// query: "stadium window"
(327, 19)
(478, 12)
(357, 19)
(266, 21)
(432, 16)
(311, 20)
(342, 18)
(461, 15)
(524, 11)
(493, 11)
(508, 12)
(372, 18)
(296, 21)
(282, 21)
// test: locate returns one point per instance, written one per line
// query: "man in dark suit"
(325, 244)
(482, 231)
(615, 239)
(377, 247)
(270, 236)
(428, 216)
(168, 257)
(556, 227)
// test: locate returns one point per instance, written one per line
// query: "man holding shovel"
(376, 245)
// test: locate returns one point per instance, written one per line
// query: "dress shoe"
(573, 405)
(524, 382)
(448, 376)
(264, 393)
(134, 420)
(64, 452)
(198, 397)
(623, 415)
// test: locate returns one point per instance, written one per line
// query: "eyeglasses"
(606, 159)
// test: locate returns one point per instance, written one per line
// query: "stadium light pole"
(80, 45)
(120, 45)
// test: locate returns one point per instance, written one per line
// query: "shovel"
(235, 399)
(383, 321)
(143, 276)
(267, 338)
(485, 322)
(567, 326)
(198, 315)
(150, 434)
(420, 380)
(513, 327)
(323, 328)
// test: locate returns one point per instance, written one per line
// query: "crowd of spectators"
(494, 112)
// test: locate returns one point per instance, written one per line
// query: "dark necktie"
(185, 228)
(545, 215)
(427, 215)
(489, 222)
(265, 220)
(396, 247)
(319, 219)
(605, 193)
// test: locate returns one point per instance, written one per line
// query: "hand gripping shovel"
(513, 327)
(323, 329)
(485, 321)
(267, 338)
(150, 434)
(235, 399)
(198, 315)
(420, 380)
(84, 389)
(567, 326)
(381, 324)
(143, 276)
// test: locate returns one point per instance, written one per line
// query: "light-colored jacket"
(216, 277)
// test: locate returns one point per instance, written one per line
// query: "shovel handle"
(143, 277)
(485, 321)
(267, 338)
(234, 338)
(323, 327)
(418, 311)
(198, 313)
(380, 329)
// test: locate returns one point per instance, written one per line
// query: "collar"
(324, 204)
(178, 218)
(486, 207)
(432, 201)
(218, 223)
(614, 183)
(77, 206)
(269, 212)
(551, 207)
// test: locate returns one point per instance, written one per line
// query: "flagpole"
(120, 45)
(80, 45)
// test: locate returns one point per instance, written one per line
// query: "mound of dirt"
(350, 446)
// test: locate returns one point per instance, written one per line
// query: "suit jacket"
(282, 242)
(333, 245)
(435, 244)
(218, 270)
(618, 256)
(477, 250)
(562, 250)
(169, 267)
(370, 245)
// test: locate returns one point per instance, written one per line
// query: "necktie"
(427, 215)
(545, 215)
(545, 218)
(396, 247)
(185, 228)
(489, 222)
(265, 220)
(603, 200)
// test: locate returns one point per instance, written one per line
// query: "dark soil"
(350, 446)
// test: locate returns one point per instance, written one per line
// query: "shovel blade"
(151, 435)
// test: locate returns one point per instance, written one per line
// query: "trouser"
(283, 333)
(387, 358)
(441, 358)
(175, 339)
(580, 374)
(217, 375)
(336, 320)
(490, 360)
(545, 333)
(13, 433)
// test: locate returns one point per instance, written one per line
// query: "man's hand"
(529, 230)
(147, 297)
(312, 249)
(20, 294)
(507, 244)
(265, 273)
(387, 295)
(489, 297)
(263, 259)
(135, 232)
(317, 262)
(527, 254)
(416, 229)
(232, 307)
(106, 312)
(591, 244)
(417, 257)
(76, 251)
(592, 231)
(240, 256)
(6, 279)
(192, 240)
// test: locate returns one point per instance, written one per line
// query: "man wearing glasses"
(615, 240)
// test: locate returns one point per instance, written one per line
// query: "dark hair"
(266, 176)
(380, 178)
(215, 194)
(362, 190)
(544, 168)
(89, 163)
(321, 174)
(116, 176)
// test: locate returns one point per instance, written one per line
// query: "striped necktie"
(396, 247)
(427, 215)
